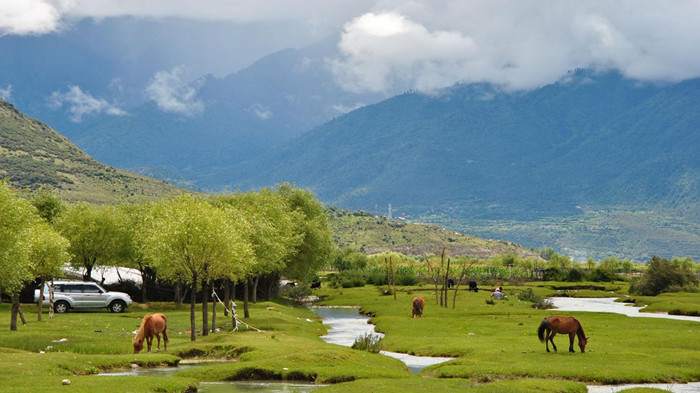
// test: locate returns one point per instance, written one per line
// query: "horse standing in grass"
(152, 325)
(564, 325)
(418, 305)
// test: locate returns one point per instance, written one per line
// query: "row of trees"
(184, 239)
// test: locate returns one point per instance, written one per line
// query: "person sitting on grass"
(498, 294)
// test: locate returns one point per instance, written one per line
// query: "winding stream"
(347, 324)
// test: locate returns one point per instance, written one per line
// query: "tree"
(189, 238)
(663, 275)
(272, 237)
(48, 253)
(137, 216)
(17, 217)
(47, 203)
(97, 235)
(316, 247)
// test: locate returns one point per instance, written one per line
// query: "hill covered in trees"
(474, 157)
(34, 155)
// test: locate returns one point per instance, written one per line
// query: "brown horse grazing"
(564, 325)
(152, 325)
(418, 305)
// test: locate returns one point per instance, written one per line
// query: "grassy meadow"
(496, 346)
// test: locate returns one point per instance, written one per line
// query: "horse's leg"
(165, 341)
(149, 341)
(571, 342)
(158, 337)
(550, 337)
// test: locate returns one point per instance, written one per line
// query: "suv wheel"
(61, 307)
(117, 306)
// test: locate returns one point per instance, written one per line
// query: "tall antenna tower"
(390, 211)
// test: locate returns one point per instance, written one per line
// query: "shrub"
(297, 293)
(664, 276)
(601, 274)
(368, 342)
(406, 279)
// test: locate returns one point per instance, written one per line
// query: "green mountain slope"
(32, 154)
(373, 234)
(473, 156)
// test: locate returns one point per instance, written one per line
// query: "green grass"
(496, 346)
(499, 341)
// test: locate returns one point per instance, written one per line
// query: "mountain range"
(593, 165)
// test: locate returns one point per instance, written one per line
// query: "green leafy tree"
(349, 259)
(17, 218)
(48, 253)
(663, 275)
(97, 235)
(189, 238)
(273, 236)
(316, 247)
(47, 203)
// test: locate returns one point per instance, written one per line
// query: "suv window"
(72, 288)
(91, 289)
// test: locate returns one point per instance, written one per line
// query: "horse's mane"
(141, 333)
(580, 332)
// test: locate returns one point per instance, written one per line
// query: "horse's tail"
(540, 331)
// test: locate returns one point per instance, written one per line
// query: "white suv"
(81, 294)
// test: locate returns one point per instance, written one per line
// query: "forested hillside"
(32, 154)
(589, 143)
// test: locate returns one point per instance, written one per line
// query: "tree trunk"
(227, 295)
(15, 311)
(205, 308)
(256, 280)
(213, 315)
(144, 293)
(233, 314)
(178, 293)
(193, 299)
(246, 314)
(41, 298)
(51, 298)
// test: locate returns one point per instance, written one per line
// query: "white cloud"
(6, 93)
(393, 45)
(173, 94)
(81, 103)
(385, 51)
(30, 16)
(261, 112)
(516, 44)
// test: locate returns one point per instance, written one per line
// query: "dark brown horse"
(152, 325)
(418, 305)
(564, 325)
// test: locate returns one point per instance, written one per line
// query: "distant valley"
(593, 165)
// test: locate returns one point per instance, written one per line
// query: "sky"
(385, 45)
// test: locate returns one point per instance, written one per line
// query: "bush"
(406, 279)
(368, 342)
(601, 274)
(664, 276)
(574, 275)
(297, 292)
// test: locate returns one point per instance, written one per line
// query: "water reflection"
(257, 387)
(347, 324)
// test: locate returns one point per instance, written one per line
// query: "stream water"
(347, 324)
(609, 305)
